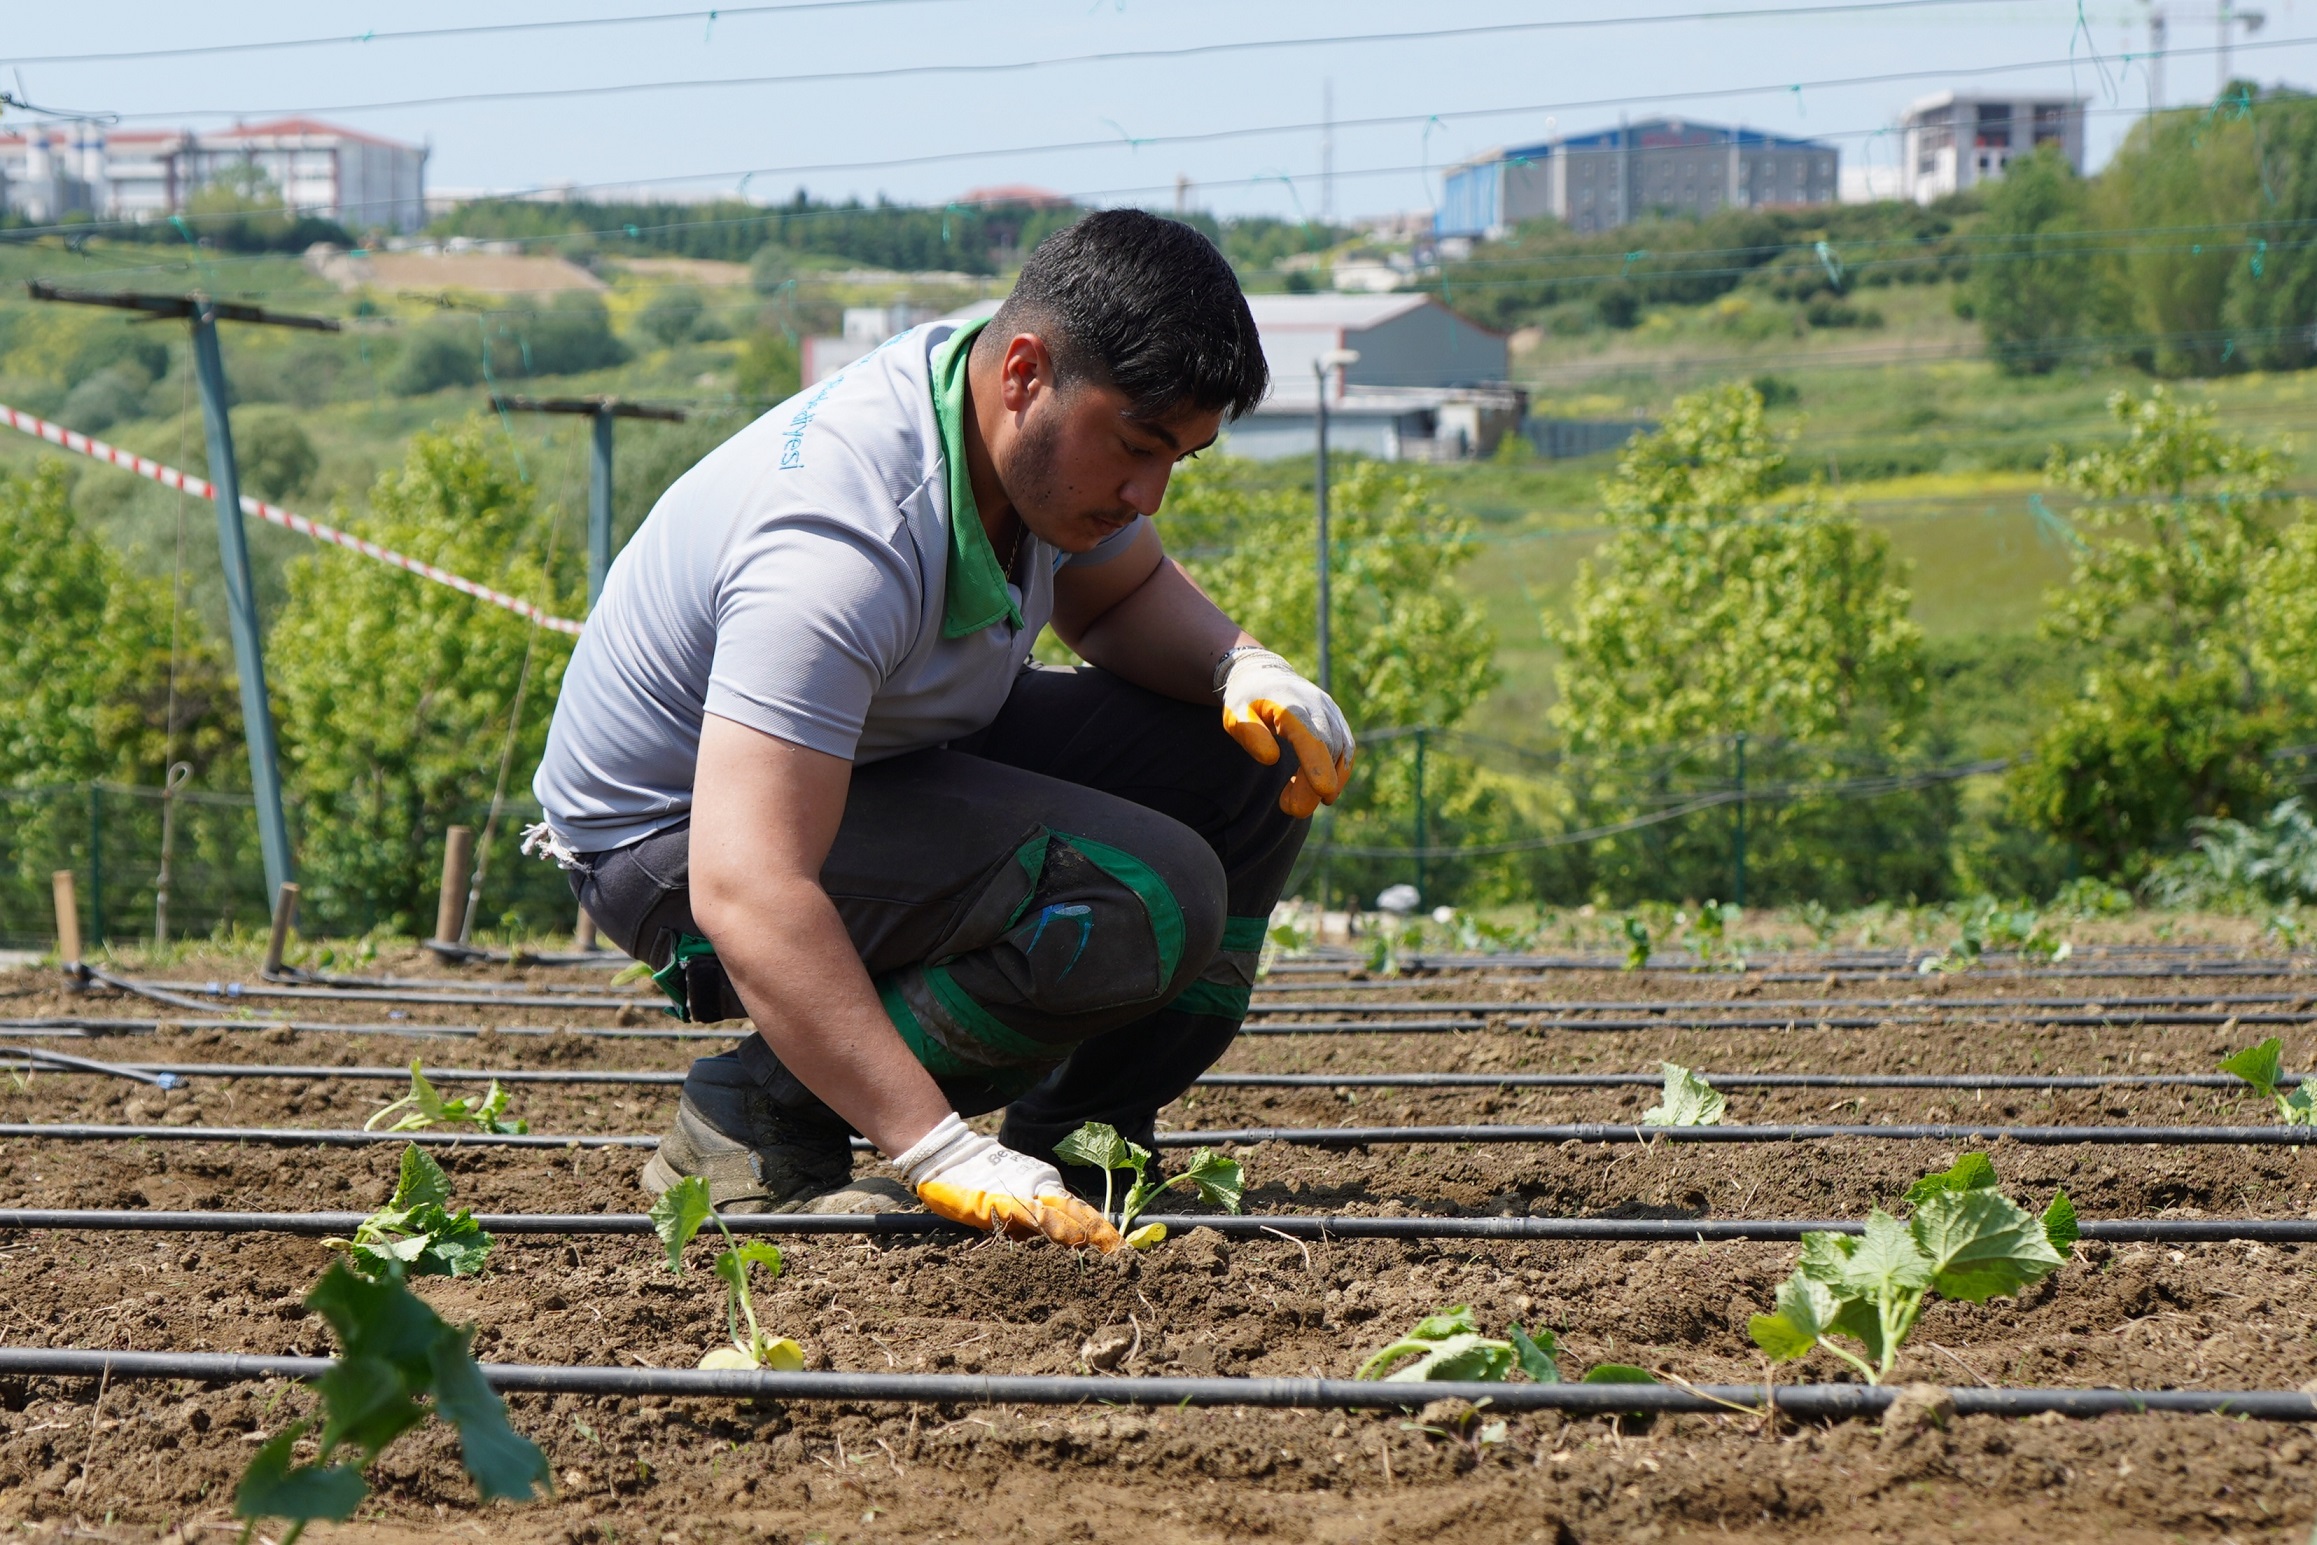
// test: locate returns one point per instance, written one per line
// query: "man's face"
(1082, 465)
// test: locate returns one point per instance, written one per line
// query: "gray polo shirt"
(804, 579)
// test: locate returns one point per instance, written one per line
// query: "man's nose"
(1146, 491)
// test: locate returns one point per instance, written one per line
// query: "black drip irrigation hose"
(1306, 1137)
(41, 1059)
(2277, 1009)
(81, 1026)
(1529, 1024)
(204, 996)
(1248, 1226)
(1284, 1002)
(1804, 1401)
(654, 1077)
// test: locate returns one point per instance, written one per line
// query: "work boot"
(761, 1152)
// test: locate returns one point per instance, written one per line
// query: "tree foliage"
(1410, 645)
(2030, 285)
(1725, 602)
(2174, 596)
(395, 692)
(85, 668)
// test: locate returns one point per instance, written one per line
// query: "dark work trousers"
(1061, 913)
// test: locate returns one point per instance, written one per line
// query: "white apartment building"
(51, 170)
(1950, 142)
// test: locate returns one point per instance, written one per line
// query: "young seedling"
(395, 1352)
(427, 1108)
(1688, 1101)
(676, 1217)
(1447, 1346)
(1217, 1179)
(1636, 934)
(2263, 1067)
(1710, 934)
(415, 1232)
(1965, 1241)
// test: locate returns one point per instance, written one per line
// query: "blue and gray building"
(1594, 182)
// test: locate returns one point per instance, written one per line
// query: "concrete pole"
(265, 781)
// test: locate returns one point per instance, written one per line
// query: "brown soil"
(147, 1460)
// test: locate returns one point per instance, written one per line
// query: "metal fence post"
(273, 829)
(1421, 732)
(1738, 831)
(96, 862)
(599, 506)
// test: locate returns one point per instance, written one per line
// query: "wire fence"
(152, 865)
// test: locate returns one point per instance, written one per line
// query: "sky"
(1133, 126)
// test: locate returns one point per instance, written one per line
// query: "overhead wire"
(1103, 56)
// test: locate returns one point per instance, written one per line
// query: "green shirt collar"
(977, 596)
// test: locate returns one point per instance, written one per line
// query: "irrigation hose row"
(1567, 1133)
(1250, 1226)
(82, 1026)
(1806, 1401)
(155, 1072)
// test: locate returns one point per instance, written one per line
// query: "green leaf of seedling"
(678, 1214)
(1803, 1311)
(1980, 1245)
(421, 1182)
(2060, 1228)
(1887, 1259)
(503, 1462)
(1462, 1358)
(368, 1402)
(1689, 1101)
(2261, 1066)
(450, 1244)
(274, 1488)
(1098, 1144)
(1826, 1258)
(2299, 1109)
(1972, 1172)
(732, 1265)
(1218, 1180)
(1618, 1374)
(1442, 1324)
(1536, 1354)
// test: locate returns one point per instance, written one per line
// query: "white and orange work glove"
(978, 1181)
(1265, 702)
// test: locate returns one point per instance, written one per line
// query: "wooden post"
(285, 918)
(583, 935)
(67, 919)
(450, 913)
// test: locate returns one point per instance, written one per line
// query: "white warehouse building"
(1950, 142)
(1427, 386)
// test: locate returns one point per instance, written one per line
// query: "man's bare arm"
(764, 814)
(1139, 616)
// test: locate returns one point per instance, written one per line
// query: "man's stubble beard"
(1036, 484)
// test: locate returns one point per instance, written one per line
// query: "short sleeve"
(811, 619)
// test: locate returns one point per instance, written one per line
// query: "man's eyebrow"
(1151, 426)
(1160, 431)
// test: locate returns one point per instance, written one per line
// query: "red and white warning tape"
(170, 477)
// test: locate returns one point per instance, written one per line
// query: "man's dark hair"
(1142, 304)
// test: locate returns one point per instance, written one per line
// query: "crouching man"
(803, 764)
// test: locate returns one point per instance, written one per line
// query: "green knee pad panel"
(1225, 987)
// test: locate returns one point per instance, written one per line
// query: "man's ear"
(1025, 371)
